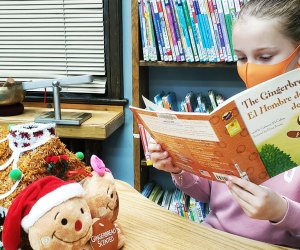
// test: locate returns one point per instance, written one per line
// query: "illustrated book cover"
(254, 134)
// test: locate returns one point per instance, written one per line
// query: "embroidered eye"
(64, 221)
(81, 210)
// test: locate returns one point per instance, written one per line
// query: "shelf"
(186, 64)
(104, 121)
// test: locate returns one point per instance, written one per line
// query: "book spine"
(218, 31)
(164, 30)
(194, 17)
(193, 21)
(179, 38)
(190, 29)
(145, 137)
(151, 37)
(213, 52)
(233, 15)
(159, 35)
(171, 35)
(184, 31)
(154, 56)
(219, 8)
(238, 4)
(202, 28)
(228, 21)
(143, 30)
(166, 6)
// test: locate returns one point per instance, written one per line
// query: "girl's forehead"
(251, 32)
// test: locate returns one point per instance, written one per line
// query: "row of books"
(177, 202)
(188, 30)
(192, 102)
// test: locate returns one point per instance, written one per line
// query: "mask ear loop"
(246, 75)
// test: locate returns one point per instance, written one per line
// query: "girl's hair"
(287, 12)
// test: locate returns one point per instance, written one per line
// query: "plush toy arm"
(121, 236)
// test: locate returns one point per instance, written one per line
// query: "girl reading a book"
(266, 38)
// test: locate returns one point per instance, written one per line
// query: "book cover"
(254, 134)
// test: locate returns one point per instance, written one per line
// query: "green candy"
(79, 155)
(15, 174)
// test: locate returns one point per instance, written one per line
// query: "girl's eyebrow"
(259, 49)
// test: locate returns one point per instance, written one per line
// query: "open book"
(254, 134)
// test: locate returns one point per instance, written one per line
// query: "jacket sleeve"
(194, 186)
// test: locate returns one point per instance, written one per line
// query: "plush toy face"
(101, 196)
(66, 226)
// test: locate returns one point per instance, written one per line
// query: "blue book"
(208, 31)
(158, 32)
(176, 29)
(202, 28)
(182, 24)
(191, 30)
(143, 31)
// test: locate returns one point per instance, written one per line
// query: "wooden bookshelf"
(140, 86)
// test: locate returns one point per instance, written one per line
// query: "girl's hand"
(160, 158)
(258, 202)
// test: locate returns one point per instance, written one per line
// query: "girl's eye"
(242, 59)
(265, 57)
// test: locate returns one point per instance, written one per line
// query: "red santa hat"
(32, 203)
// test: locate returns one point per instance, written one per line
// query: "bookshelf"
(140, 86)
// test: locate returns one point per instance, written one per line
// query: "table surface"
(104, 121)
(148, 226)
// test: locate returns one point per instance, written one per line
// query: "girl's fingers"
(154, 147)
(158, 156)
(240, 193)
(246, 185)
(244, 204)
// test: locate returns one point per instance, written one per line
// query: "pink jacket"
(226, 214)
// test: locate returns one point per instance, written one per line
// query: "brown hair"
(287, 12)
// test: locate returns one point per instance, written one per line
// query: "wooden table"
(104, 121)
(148, 226)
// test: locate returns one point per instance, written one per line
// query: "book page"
(271, 113)
(201, 144)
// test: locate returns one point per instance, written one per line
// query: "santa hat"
(32, 203)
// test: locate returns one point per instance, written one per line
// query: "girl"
(266, 38)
